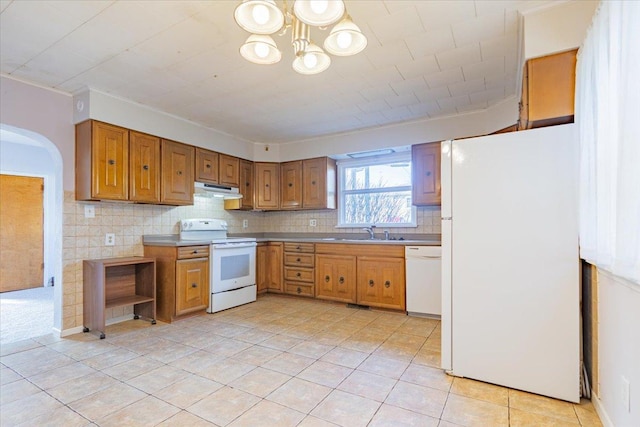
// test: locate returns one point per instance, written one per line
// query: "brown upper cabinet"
(229, 170)
(302, 184)
(291, 185)
(144, 168)
(102, 161)
(246, 184)
(548, 90)
(319, 183)
(217, 168)
(267, 186)
(207, 166)
(425, 164)
(177, 173)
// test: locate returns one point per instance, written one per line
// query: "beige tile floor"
(277, 362)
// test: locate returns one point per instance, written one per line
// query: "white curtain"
(608, 118)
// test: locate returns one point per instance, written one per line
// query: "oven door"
(233, 266)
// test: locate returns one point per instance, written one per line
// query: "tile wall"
(84, 238)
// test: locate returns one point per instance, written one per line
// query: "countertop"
(412, 240)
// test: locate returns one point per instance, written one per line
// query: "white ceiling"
(424, 59)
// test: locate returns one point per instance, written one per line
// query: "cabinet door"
(262, 267)
(551, 89)
(381, 282)
(319, 183)
(110, 162)
(291, 185)
(229, 170)
(246, 184)
(425, 162)
(267, 185)
(144, 168)
(177, 173)
(275, 266)
(206, 166)
(192, 285)
(336, 277)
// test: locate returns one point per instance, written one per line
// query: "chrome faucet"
(370, 231)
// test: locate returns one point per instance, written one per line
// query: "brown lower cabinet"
(269, 267)
(299, 269)
(371, 275)
(336, 277)
(182, 286)
(381, 282)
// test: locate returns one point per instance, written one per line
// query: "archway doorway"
(28, 154)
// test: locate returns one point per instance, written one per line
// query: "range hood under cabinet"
(204, 189)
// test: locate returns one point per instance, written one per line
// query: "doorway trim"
(53, 208)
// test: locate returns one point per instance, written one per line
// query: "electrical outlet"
(313, 223)
(89, 211)
(245, 223)
(626, 397)
(109, 239)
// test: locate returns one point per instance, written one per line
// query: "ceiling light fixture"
(264, 17)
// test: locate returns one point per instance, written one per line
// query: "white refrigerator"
(510, 265)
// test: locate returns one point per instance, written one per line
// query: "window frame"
(372, 161)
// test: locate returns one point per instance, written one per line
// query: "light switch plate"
(245, 223)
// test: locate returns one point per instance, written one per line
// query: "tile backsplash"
(84, 238)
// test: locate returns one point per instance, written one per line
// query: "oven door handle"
(234, 245)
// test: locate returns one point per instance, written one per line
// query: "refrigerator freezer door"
(514, 261)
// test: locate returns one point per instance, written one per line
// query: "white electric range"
(232, 262)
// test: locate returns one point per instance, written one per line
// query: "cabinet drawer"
(297, 288)
(298, 274)
(298, 260)
(299, 247)
(186, 252)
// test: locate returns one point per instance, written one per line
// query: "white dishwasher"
(424, 285)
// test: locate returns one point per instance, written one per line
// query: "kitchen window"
(376, 191)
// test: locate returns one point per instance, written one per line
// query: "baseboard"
(71, 331)
(602, 413)
(79, 329)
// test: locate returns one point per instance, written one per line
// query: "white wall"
(96, 105)
(472, 124)
(618, 348)
(45, 112)
(99, 106)
(557, 28)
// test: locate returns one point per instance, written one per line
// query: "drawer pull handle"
(327, 279)
(298, 248)
(266, 185)
(371, 283)
(195, 252)
(290, 184)
(299, 290)
(208, 166)
(112, 162)
(145, 167)
(387, 284)
(298, 260)
(341, 280)
(298, 274)
(246, 184)
(313, 183)
(194, 285)
(179, 172)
